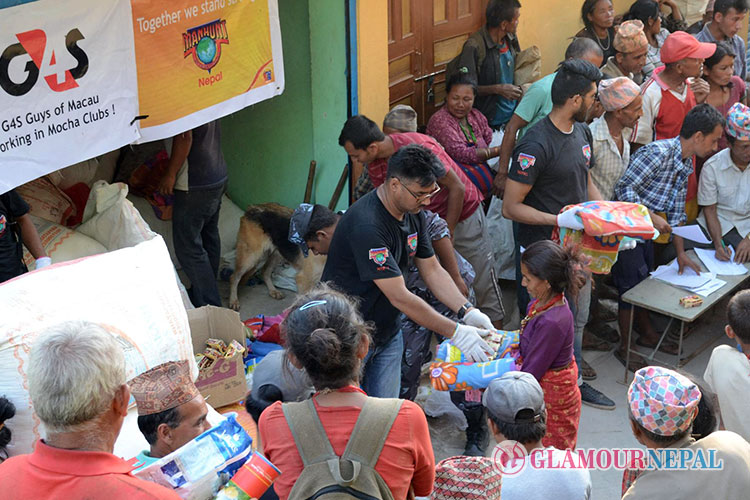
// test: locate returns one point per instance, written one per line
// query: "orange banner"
(202, 59)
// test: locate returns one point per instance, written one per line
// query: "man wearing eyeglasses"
(456, 199)
(374, 244)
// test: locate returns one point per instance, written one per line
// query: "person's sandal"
(587, 372)
(593, 343)
(636, 361)
(667, 346)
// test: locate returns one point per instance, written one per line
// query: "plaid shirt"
(657, 178)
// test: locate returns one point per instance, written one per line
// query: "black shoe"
(477, 433)
(592, 397)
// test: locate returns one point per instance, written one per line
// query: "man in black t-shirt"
(14, 210)
(370, 252)
(549, 170)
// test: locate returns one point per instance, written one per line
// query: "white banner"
(68, 85)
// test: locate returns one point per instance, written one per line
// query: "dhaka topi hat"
(617, 93)
(738, 122)
(467, 478)
(630, 37)
(163, 387)
(662, 401)
(402, 117)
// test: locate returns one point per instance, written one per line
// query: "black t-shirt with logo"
(557, 166)
(12, 206)
(370, 244)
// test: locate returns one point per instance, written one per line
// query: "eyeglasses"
(419, 197)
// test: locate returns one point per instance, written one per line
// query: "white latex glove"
(43, 262)
(569, 219)
(468, 340)
(477, 318)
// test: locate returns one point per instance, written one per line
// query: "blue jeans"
(195, 226)
(381, 377)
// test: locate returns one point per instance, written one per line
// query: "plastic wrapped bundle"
(452, 372)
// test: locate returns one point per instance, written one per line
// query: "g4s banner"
(68, 88)
(80, 78)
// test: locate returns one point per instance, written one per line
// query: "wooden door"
(423, 36)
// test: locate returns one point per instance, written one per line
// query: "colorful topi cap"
(467, 478)
(163, 387)
(617, 93)
(738, 122)
(630, 37)
(663, 401)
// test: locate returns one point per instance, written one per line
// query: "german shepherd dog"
(263, 241)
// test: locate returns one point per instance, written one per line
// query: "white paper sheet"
(709, 287)
(708, 257)
(688, 279)
(692, 233)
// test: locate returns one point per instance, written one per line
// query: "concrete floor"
(598, 428)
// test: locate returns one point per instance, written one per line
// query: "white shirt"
(542, 484)
(723, 184)
(728, 375)
(610, 164)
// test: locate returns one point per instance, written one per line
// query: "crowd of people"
(643, 109)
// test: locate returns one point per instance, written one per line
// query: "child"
(728, 370)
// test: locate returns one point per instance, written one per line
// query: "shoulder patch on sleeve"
(379, 255)
(525, 161)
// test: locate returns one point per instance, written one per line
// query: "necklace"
(535, 309)
(598, 40)
(469, 135)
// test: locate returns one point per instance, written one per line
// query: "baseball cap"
(512, 392)
(680, 45)
(299, 225)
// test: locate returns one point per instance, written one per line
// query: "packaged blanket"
(452, 372)
(606, 223)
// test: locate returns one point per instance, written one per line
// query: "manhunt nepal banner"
(80, 78)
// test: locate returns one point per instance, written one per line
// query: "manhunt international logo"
(204, 43)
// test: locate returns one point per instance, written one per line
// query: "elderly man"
(631, 47)
(621, 99)
(76, 374)
(724, 190)
(663, 405)
(171, 411)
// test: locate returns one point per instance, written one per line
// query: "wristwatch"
(464, 309)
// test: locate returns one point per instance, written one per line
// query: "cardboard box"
(224, 382)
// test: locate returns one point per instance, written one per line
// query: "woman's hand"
(701, 89)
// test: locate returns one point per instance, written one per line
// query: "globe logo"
(206, 50)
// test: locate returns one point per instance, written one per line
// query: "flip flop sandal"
(636, 362)
(586, 371)
(593, 343)
(667, 346)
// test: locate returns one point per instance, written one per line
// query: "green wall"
(268, 146)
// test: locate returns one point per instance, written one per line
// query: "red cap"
(680, 45)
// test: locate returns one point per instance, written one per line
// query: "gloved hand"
(43, 262)
(468, 340)
(477, 318)
(569, 219)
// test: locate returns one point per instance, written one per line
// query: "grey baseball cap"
(299, 224)
(511, 393)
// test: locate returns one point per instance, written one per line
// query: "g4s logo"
(33, 43)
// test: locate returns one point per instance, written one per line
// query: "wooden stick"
(310, 179)
(339, 188)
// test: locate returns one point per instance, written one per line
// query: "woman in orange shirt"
(326, 336)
